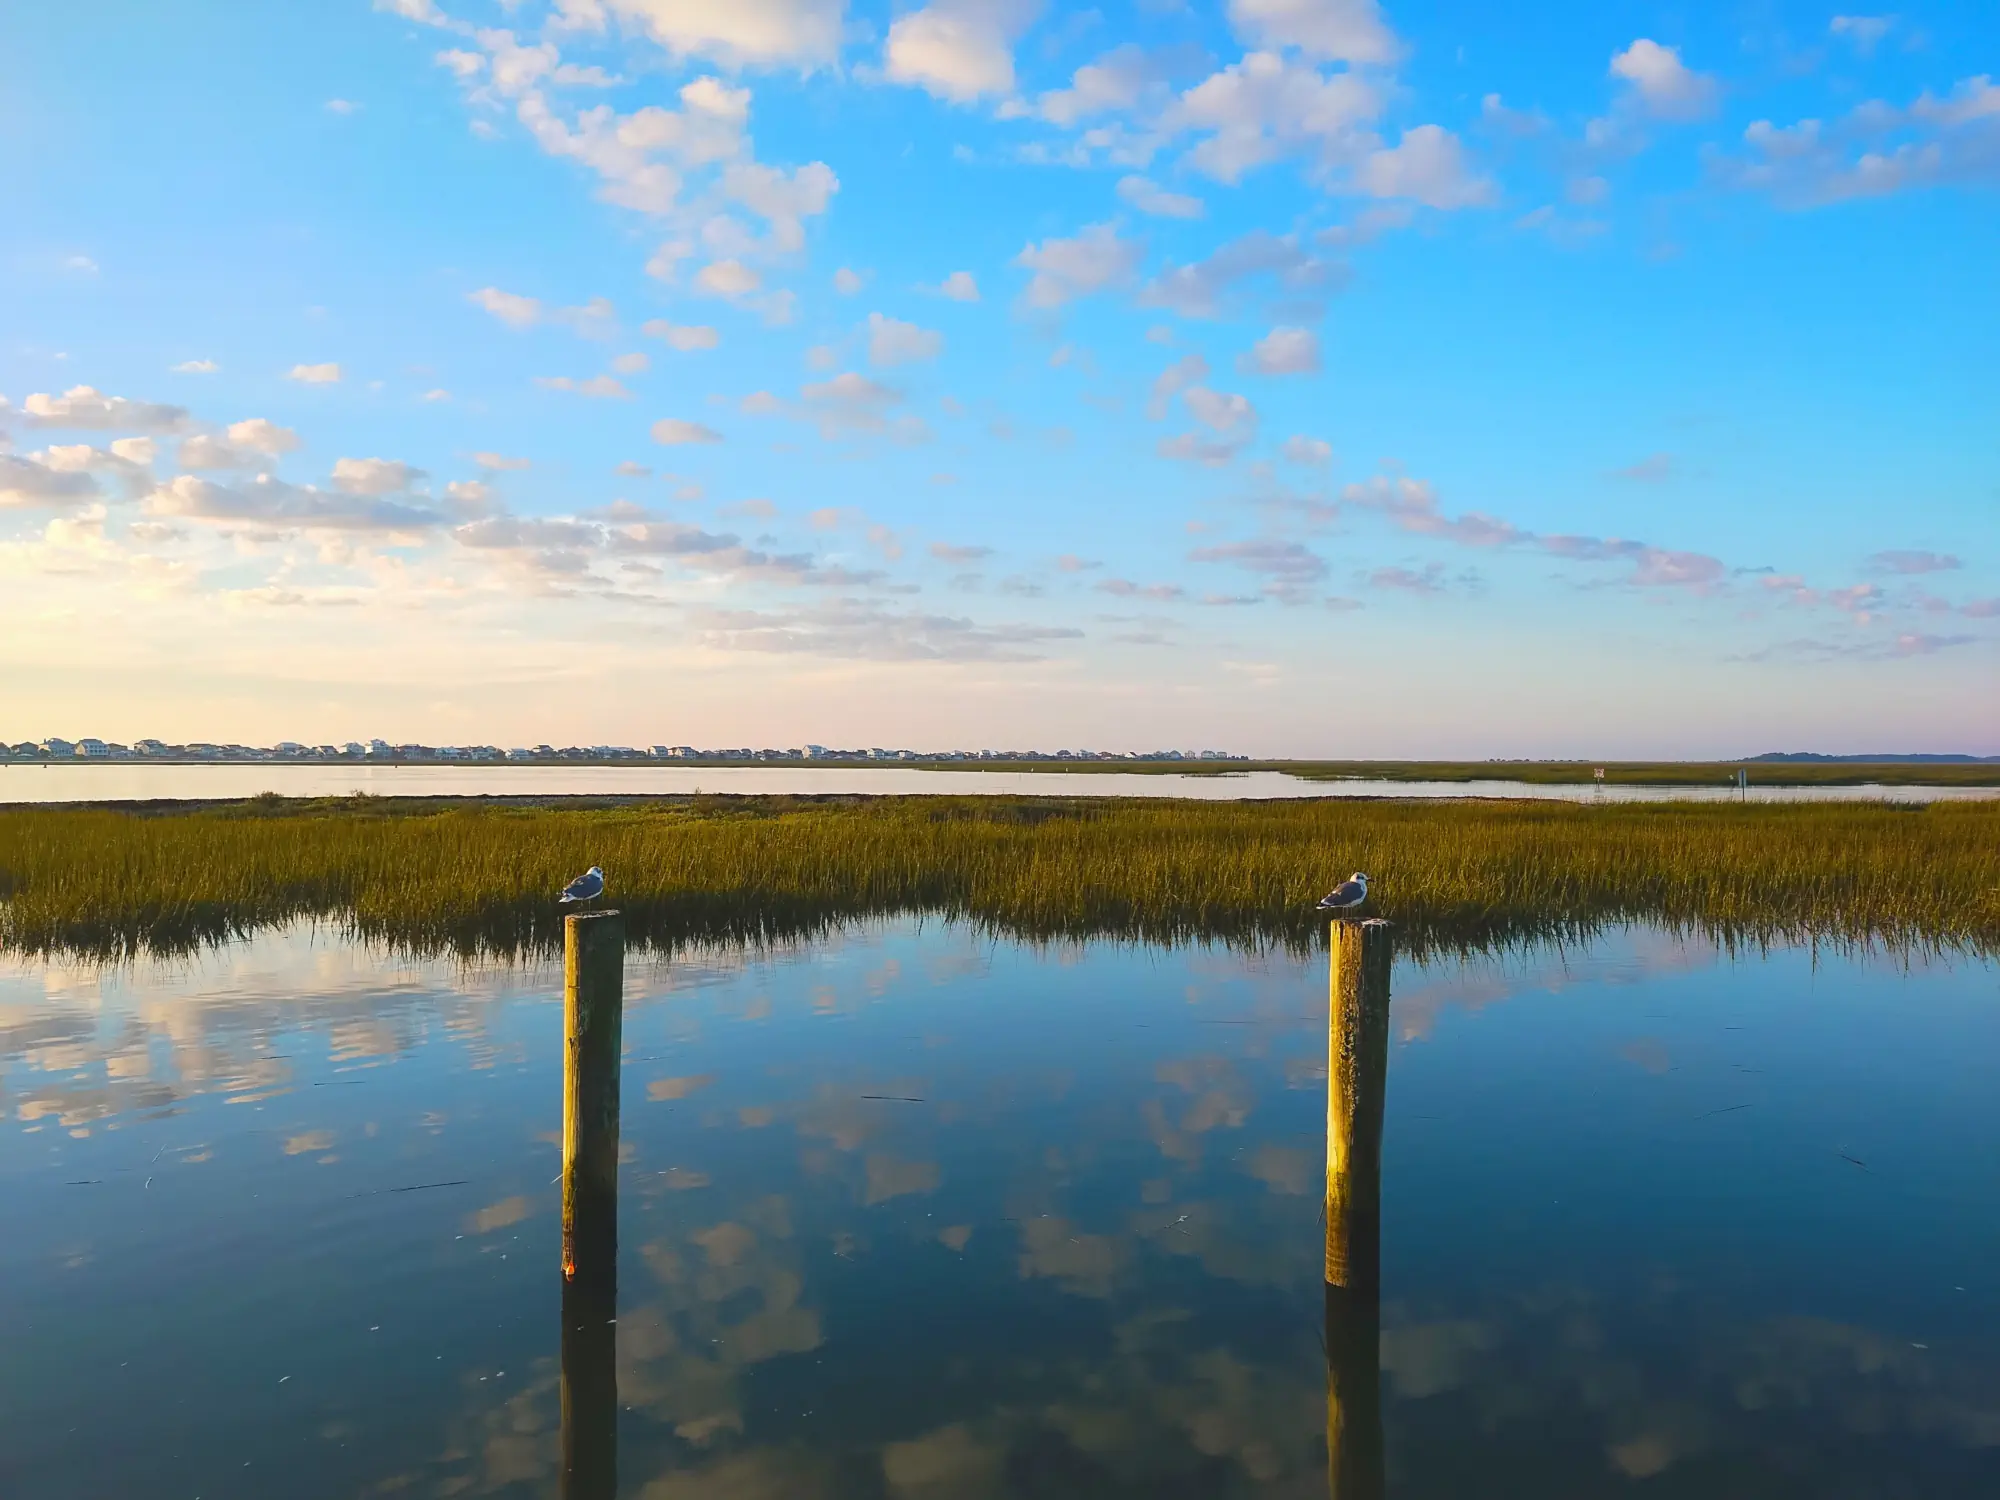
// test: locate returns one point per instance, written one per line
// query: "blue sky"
(1302, 376)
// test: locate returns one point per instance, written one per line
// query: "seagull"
(1346, 896)
(586, 887)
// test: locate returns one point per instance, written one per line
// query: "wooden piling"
(1357, 1070)
(1356, 1084)
(593, 1043)
(593, 1039)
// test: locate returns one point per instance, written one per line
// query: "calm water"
(915, 1214)
(125, 782)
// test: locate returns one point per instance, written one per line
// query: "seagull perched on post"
(586, 887)
(1346, 896)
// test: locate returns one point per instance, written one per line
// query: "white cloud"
(1283, 351)
(1429, 166)
(374, 476)
(891, 342)
(1189, 370)
(728, 278)
(1336, 30)
(138, 450)
(848, 629)
(959, 50)
(1289, 568)
(634, 363)
(639, 158)
(1954, 139)
(784, 200)
(1908, 562)
(959, 286)
(802, 34)
(596, 388)
(854, 403)
(1094, 261)
(1665, 85)
(1198, 290)
(437, 393)
(1118, 80)
(26, 483)
(195, 367)
(1224, 413)
(326, 374)
(593, 319)
(469, 496)
(848, 282)
(243, 445)
(464, 64)
(1974, 100)
(1149, 197)
(424, 11)
(1308, 452)
(673, 432)
(500, 462)
(510, 308)
(1191, 448)
(85, 408)
(261, 435)
(341, 106)
(273, 502)
(1266, 106)
(1863, 32)
(686, 337)
(1495, 116)
(946, 552)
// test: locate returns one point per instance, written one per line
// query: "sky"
(1290, 377)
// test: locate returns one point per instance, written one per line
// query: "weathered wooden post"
(593, 1039)
(593, 1042)
(1356, 1081)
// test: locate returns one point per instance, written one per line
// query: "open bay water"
(128, 781)
(915, 1212)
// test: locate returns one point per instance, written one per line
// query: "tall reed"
(481, 878)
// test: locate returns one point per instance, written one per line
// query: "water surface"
(126, 781)
(916, 1213)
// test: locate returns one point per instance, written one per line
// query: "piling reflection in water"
(590, 1385)
(593, 1012)
(1356, 1082)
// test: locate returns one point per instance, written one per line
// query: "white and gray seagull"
(586, 887)
(1346, 896)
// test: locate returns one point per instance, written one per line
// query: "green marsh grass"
(480, 879)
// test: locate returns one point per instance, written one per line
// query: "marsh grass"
(479, 880)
